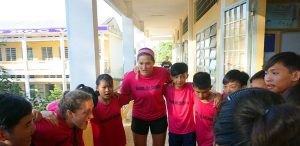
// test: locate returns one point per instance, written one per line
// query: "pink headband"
(147, 51)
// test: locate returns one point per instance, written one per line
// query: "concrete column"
(180, 31)
(63, 59)
(128, 44)
(25, 64)
(191, 41)
(83, 44)
(102, 54)
(220, 62)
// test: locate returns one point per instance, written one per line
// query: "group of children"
(191, 107)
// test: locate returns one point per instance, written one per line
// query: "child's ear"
(296, 76)
(69, 114)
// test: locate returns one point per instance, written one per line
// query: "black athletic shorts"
(157, 126)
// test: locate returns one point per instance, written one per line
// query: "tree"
(40, 103)
(6, 84)
(165, 49)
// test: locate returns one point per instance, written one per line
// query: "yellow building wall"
(36, 48)
(18, 47)
(260, 34)
(211, 17)
(230, 2)
(37, 51)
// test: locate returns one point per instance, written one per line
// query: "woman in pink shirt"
(149, 110)
(73, 113)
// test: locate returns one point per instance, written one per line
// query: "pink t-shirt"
(108, 128)
(52, 106)
(180, 103)
(204, 116)
(147, 93)
(47, 134)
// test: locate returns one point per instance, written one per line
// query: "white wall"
(290, 41)
(116, 57)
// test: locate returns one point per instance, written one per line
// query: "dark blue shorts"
(188, 139)
(158, 126)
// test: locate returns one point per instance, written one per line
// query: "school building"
(209, 35)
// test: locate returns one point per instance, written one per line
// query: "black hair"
(13, 109)
(236, 76)
(178, 68)
(289, 59)
(72, 101)
(105, 77)
(201, 80)
(292, 95)
(89, 90)
(278, 127)
(239, 112)
(259, 75)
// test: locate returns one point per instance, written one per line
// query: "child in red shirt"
(204, 108)
(108, 128)
(179, 98)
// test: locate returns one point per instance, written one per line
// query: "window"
(11, 54)
(66, 52)
(185, 52)
(47, 53)
(20, 76)
(29, 54)
(235, 49)
(185, 26)
(202, 6)
(0, 54)
(206, 52)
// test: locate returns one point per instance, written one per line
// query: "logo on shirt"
(178, 102)
(204, 117)
(110, 118)
(148, 87)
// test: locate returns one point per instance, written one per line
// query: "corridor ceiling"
(160, 16)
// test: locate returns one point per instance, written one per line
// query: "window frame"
(29, 58)
(47, 56)
(10, 56)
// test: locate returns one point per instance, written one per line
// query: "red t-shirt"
(204, 116)
(47, 134)
(107, 124)
(180, 108)
(147, 93)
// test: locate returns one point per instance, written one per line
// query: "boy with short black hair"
(16, 121)
(179, 98)
(257, 80)
(204, 108)
(234, 80)
(282, 71)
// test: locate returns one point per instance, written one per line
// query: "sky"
(21, 14)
